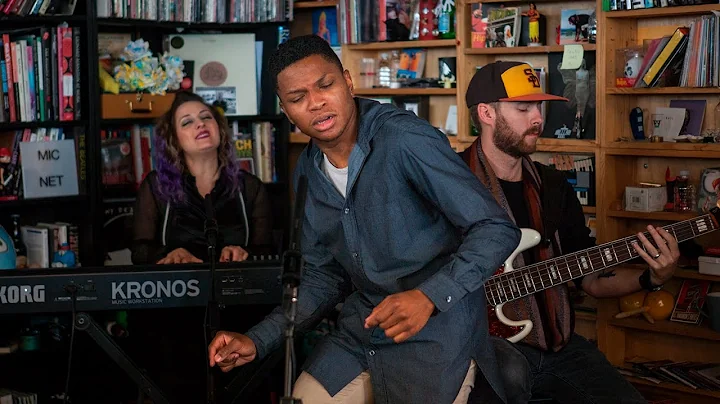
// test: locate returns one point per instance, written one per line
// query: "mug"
(712, 306)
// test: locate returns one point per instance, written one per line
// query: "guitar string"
(541, 269)
(539, 272)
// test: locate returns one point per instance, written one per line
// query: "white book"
(37, 242)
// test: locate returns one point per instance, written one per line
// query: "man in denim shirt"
(397, 228)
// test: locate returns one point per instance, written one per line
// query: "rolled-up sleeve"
(489, 236)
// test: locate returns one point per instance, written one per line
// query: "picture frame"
(419, 105)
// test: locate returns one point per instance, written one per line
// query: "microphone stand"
(213, 307)
(292, 274)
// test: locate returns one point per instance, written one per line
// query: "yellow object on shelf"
(661, 304)
(107, 82)
(632, 301)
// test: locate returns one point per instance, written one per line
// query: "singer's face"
(316, 95)
(196, 128)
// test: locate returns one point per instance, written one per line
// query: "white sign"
(49, 169)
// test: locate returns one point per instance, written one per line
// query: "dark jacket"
(244, 222)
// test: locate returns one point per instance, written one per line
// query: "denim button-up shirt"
(415, 217)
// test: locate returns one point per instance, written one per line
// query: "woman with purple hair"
(194, 156)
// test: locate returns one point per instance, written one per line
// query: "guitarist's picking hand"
(663, 259)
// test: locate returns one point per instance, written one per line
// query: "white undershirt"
(338, 176)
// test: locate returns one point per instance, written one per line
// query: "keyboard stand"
(83, 322)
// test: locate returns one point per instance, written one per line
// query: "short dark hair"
(299, 48)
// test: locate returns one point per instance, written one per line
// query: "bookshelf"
(441, 98)
(87, 209)
(618, 162)
(623, 163)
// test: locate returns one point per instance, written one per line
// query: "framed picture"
(419, 105)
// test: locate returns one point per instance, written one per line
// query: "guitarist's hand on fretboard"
(662, 255)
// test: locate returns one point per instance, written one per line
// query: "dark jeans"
(579, 373)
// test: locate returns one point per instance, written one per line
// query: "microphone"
(211, 227)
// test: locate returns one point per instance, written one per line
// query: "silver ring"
(657, 256)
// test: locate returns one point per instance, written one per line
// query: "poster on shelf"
(224, 69)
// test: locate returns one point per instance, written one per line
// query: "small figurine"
(63, 258)
(447, 72)
(533, 25)
(323, 31)
(4, 163)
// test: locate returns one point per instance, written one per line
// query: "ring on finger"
(656, 256)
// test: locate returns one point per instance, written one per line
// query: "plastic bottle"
(395, 81)
(684, 193)
(383, 71)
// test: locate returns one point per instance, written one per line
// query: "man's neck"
(505, 166)
(338, 151)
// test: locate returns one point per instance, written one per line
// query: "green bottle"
(445, 12)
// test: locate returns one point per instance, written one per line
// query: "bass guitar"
(512, 284)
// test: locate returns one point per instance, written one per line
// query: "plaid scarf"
(549, 310)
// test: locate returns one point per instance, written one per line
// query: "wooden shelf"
(663, 90)
(659, 216)
(663, 11)
(35, 203)
(664, 149)
(674, 387)
(584, 315)
(566, 145)
(523, 50)
(136, 24)
(668, 327)
(299, 137)
(436, 43)
(151, 121)
(315, 4)
(405, 91)
(681, 273)
(692, 274)
(7, 126)
(509, 1)
(42, 19)
(589, 210)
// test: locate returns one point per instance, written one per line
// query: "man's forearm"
(621, 283)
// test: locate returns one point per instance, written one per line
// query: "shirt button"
(372, 352)
(448, 299)
(347, 210)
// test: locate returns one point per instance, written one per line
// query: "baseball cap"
(506, 81)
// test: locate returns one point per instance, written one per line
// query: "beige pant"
(359, 391)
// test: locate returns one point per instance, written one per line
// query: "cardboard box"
(709, 265)
(645, 199)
